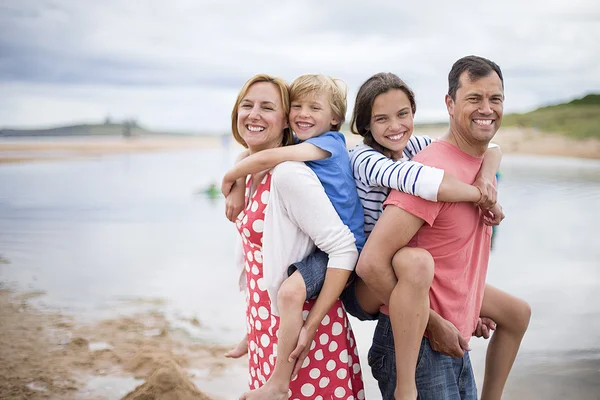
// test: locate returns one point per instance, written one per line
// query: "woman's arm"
(269, 158)
(310, 209)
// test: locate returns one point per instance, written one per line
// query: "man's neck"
(458, 140)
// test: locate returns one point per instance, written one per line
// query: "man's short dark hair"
(477, 67)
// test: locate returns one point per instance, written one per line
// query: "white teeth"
(303, 125)
(396, 137)
(255, 128)
(483, 121)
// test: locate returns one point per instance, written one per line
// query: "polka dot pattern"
(331, 370)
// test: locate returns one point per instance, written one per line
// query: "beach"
(116, 278)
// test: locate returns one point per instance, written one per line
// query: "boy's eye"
(316, 108)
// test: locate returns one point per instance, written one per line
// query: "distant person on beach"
(286, 215)
(455, 234)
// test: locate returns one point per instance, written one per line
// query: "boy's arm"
(234, 203)
(269, 158)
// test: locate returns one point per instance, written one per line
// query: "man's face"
(476, 113)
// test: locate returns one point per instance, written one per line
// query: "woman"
(286, 214)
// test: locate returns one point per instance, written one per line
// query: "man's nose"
(485, 107)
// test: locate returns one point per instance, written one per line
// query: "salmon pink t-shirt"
(456, 237)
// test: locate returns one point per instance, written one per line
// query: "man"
(454, 233)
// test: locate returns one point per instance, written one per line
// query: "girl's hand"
(493, 216)
(484, 328)
(302, 348)
(489, 194)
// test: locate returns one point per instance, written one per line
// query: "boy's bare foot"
(239, 350)
(267, 392)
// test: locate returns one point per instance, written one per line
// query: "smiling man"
(454, 233)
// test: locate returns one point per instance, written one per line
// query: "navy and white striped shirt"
(375, 174)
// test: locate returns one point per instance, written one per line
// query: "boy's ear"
(335, 121)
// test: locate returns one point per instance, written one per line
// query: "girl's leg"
(290, 301)
(511, 315)
(409, 313)
(240, 349)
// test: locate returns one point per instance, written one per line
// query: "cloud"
(178, 65)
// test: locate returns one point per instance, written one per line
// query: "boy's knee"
(415, 266)
(291, 294)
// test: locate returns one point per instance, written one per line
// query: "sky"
(177, 65)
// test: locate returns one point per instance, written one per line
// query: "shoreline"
(33, 149)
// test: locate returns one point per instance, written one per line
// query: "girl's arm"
(376, 170)
(267, 159)
(235, 199)
(487, 176)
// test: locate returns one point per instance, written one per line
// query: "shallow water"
(92, 233)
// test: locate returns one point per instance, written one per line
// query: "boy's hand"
(226, 186)
(234, 203)
(489, 194)
(493, 216)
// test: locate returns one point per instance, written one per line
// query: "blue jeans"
(438, 377)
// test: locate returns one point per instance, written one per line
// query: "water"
(91, 233)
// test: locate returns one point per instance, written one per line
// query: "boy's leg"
(240, 349)
(409, 313)
(511, 315)
(290, 300)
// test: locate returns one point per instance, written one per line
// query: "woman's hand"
(302, 348)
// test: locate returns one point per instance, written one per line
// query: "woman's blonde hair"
(284, 92)
(336, 90)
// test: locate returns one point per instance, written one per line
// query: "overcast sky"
(178, 64)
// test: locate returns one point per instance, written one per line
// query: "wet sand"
(44, 149)
(49, 355)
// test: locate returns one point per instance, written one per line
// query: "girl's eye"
(316, 108)
(381, 119)
(295, 105)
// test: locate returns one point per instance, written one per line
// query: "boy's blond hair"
(336, 89)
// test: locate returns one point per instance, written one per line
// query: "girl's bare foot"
(239, 350)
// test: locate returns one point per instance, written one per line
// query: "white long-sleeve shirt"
(375, 174)
(298, 217)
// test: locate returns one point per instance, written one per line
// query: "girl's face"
(261, 117)
(392, 121)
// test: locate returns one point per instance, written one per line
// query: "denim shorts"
(438, 377)
(313, 269)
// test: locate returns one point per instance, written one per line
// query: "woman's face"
(392, 121)
(261, 117)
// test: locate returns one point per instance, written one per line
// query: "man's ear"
(449, 105)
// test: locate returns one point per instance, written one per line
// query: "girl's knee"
(522, 316)
(415, 266)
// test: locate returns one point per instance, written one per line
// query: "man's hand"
(445, 338)
(484, 328)
(489, 194)
(302, 348)
(493, 216)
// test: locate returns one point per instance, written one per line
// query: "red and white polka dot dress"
(332, 368)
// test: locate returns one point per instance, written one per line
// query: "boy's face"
(311, 115)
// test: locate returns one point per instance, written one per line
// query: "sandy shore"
(37, 149)
(511, 140)
(48, 355)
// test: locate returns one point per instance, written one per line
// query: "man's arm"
(394, 229)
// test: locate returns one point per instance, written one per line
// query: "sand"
(46, 149)
(511, 140)
(49, 355)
